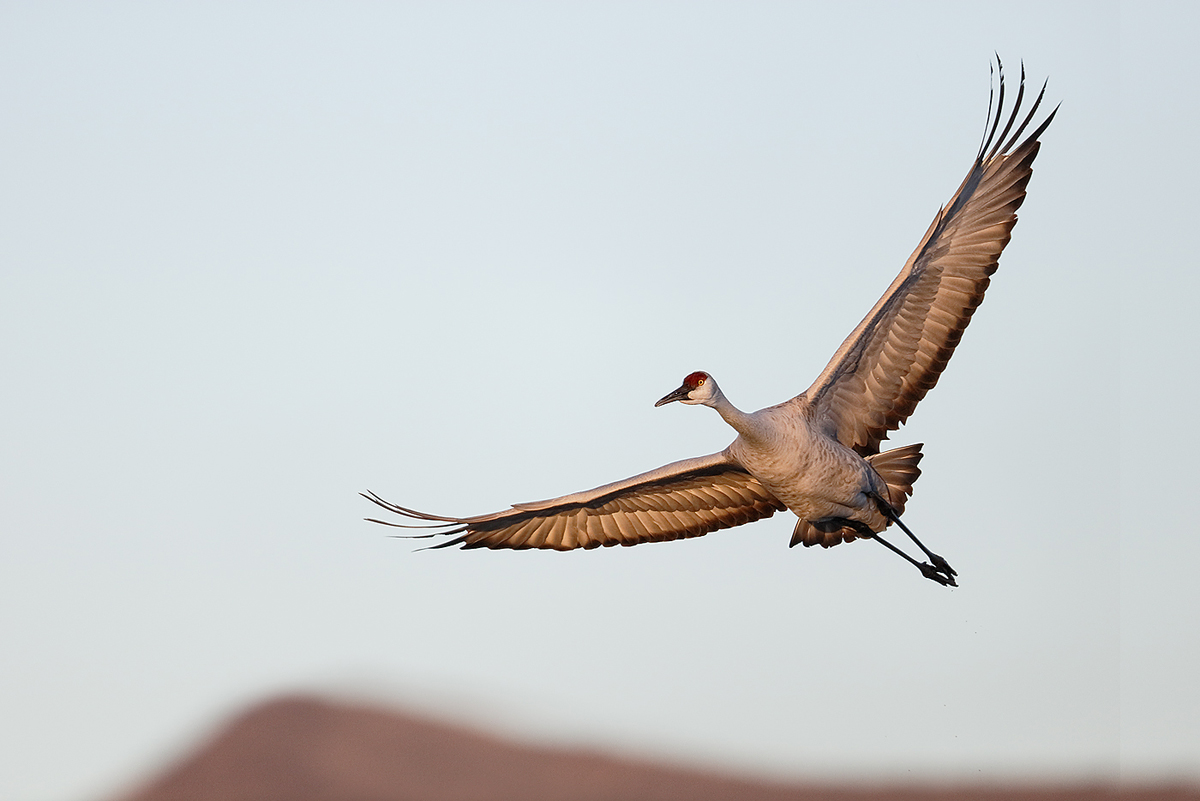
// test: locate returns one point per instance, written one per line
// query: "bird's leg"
(927, 570)
(890, 513)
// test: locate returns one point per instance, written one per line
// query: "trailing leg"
(931, 572)
(938, 562)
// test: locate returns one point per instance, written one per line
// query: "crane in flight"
(816, 455)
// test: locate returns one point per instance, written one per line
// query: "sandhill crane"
(817, 454)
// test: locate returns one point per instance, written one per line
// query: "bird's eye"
(700, 383)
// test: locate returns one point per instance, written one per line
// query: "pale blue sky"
(259, 257)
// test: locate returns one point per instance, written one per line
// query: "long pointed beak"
(675, 395)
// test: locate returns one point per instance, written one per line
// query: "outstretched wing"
(683, 499)
(896, 354)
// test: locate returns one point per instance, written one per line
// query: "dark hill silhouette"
(305, 749)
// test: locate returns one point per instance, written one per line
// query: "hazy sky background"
(258, 257)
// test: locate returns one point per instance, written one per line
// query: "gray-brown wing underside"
(897, 353)
(683, 499)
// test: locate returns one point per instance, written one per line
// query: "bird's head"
(699, 387)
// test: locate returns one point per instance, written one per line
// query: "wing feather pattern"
(897, 353)
(689, 498)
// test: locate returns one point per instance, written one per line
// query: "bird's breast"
(813, 475)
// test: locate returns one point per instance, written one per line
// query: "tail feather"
(898, 469)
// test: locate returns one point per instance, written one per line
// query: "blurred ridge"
(310, 749)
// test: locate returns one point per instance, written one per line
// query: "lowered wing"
(898, 352)
(689, 498)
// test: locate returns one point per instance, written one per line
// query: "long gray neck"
(745, 424)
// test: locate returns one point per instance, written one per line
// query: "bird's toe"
(934, 574)
(942, 565)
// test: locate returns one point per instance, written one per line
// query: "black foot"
(943, 566)
(935, 574)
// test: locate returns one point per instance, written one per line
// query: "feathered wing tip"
(999, 144)
(437, 525)
(1004, 142)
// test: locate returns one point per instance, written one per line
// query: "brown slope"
(303, 749)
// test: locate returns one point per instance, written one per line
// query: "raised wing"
(683, 499)
(898, 352)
